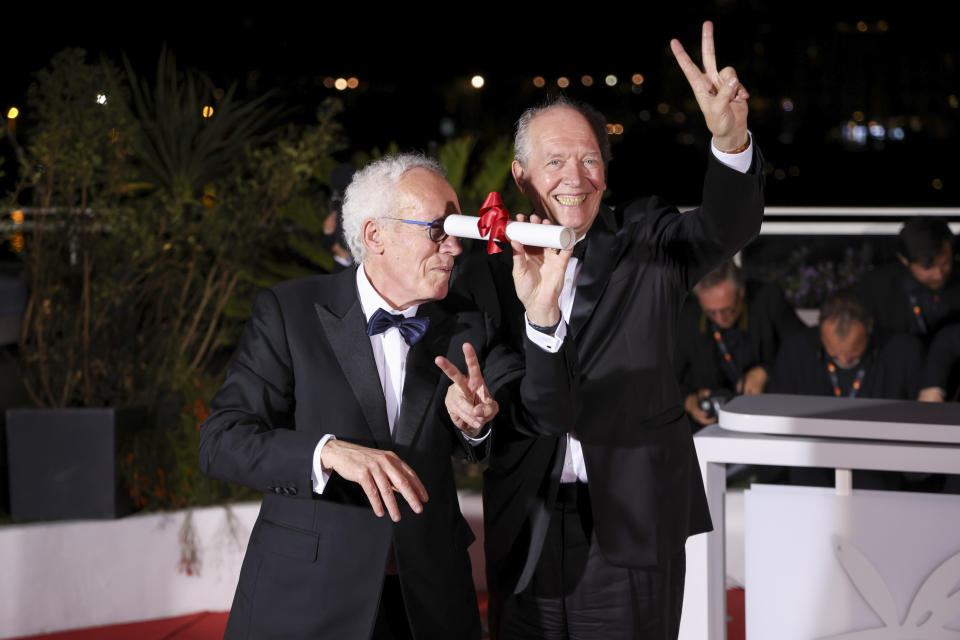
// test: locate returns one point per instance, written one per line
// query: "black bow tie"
(412, 329)
(580, 249)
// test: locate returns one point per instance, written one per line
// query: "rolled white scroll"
(550, 236)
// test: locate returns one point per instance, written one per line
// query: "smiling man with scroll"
(588, 505)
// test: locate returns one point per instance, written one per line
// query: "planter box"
(62, 462)
(13, 300)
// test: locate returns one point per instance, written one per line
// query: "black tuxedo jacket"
(625, 406)
(315, 563)
(766, 321)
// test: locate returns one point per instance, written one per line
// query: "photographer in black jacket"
(728, 338)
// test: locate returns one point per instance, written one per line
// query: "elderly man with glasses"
(336, 402)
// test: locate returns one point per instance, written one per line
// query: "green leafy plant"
(154, 208)
(474, 173)
(75, 173)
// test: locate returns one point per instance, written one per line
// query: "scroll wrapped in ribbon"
(494, 224)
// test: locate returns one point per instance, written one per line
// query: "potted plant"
(150, 207)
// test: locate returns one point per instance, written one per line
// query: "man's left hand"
(931, 394)
(722, 99)
(753, 382)
(468, 401)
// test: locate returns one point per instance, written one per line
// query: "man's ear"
(519, 175)
(372, 236)
(903, 259)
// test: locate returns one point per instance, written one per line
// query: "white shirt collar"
(370, 300)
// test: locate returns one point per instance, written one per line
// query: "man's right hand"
(468, 401)
(692, 404)
(379, 472)
(753, 382)
(538, 277)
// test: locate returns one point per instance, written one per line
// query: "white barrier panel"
(69, 575)
(874, 565)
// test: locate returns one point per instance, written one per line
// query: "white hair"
(522, 145)
(372, 194)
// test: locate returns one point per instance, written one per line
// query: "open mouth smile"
(570, 201)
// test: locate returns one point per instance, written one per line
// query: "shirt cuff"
(550, 344)
(479, 439)
(319, 475)
(736, 161)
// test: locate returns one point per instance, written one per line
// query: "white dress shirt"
(574, 468)
(390, 354)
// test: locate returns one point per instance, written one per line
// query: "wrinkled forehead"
(562, 129)
(422, 194)
(830, 331)
(720, 295)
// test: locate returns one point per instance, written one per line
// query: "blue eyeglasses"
(434, 229)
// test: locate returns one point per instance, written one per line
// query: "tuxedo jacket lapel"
(343, 322)
(595, 272)
(420, 381)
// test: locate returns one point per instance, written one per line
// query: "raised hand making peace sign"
(722, 99)
(468, 402)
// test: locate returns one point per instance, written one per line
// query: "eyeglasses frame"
(432, 226)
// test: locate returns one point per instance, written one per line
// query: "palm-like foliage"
(474, 174)
(181, 151)
(151, 225)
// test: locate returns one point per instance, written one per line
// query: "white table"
(804, 431)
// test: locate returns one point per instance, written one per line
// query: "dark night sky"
(414, 73)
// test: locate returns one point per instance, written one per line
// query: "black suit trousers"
(576, 594)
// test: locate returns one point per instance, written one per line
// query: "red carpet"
(196, 626)
(210, 626)
(736, 620)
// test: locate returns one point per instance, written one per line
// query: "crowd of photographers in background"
(894, 334)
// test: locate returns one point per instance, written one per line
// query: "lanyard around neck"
(918, 311)
(835, 381)
(729, 363)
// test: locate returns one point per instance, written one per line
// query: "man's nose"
(451, 245)
(850, 359)
(572, 173)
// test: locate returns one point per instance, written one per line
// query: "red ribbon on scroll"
(493, 220)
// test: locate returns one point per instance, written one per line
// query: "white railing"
(848, 221)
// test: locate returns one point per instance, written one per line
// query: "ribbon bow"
(493, 220)
(412, 329)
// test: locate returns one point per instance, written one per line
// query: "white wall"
(69, 575)
(56, 576)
